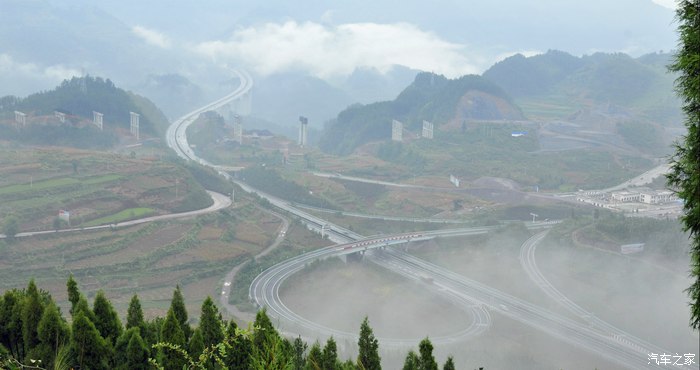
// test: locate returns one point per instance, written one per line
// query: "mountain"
(536, 75)
(430, 97)
(172, 92)
(44, 42)
(77, 98)
(367, 85)
(641, 83)
(281, 98)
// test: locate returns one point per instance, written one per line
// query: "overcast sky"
(324, 38)
(452, 37)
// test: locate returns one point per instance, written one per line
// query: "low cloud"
(152, 37)
(56, 72)
(670, 4)
(21, 78)
(328, 51)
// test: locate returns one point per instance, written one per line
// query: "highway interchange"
(589, 332)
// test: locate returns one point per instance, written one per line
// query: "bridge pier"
(354, 257)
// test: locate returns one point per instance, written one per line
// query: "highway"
(613, 344)
(474, 296)
(220, 201)
(264, 291)
(385, 218)
(527, 261)
(228, 280)
(176, 135)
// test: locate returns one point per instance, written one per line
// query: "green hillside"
(430, 97)
(78, 98)
(642, 83)
(536, 75)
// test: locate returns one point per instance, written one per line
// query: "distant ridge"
(430, 97)
(614, 78)
(77, 98)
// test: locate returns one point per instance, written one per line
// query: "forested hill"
(78, 98)
(602, 78)
(430, 97)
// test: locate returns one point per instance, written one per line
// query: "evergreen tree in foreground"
(685, 164)
(32, 310)
(120, 348)
(106, 318)
(178, 307)
(449, 364)
(89, 348)
(53, 333)
(210, 323)
(11, 322)
(196, 344)
(427, 361)
(96, 340)
(313, 360)
(238, 357)
(412, 361)
(136, 353)
(299, 351)
(134, 315)
(73, 293)
(329, 355)
(368, 358)
(171, 333)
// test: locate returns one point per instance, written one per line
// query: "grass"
(547, 107)
(37, 182)
(148, 260)
(125, 215)
(38, 186)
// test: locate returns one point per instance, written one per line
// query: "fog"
(628, 292)
(502, 118)
(45, 42)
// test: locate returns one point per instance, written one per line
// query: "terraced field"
(96, 187)
(148, 259)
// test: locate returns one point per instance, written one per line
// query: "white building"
(396, 130)
(427, 130)
(625, 196)
(656, 197)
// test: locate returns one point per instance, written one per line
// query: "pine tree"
(171, 333)
(89, 348)
(264, 331)
(427, 361)
(32, 311)
(136, 353)
(11, 322)
(178, 306)
(329, 355)
(238, 357)
(121, 346)
(210, 323)
(449, 364)
(196, 344)
(152, 329)
(106, 319)
(368, 358)
(314, 359)
(299, 350)
(275, 354)
(412, 361)
(53, 333)
(134, 315)
(73, 293)
(685, 164)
